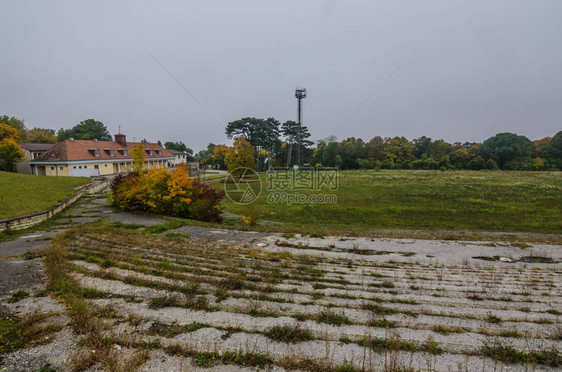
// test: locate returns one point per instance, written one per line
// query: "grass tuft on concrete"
(289, 334)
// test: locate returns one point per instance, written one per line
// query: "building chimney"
(121, 139)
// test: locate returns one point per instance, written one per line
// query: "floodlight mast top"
(300, 94)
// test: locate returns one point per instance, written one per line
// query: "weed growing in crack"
(160, 302)
(235, 284)
(491, 318)
(289, 334)
(384, 284)
(392, 342)
(17, 296)
(381, 323)
(92, 293)
(208, 359)
(333, 318)
(447, 329)
(230, 331)
(508, 354)
(378, 309)
(20, 332)
(543, 321)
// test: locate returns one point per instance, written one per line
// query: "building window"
(74, 167)
(61, 168)
(111, 152)
(96, 166)
(79, 167)
(52, 168)
(97, 152)
(85, 167)
(105, 165)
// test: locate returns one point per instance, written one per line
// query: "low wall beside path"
(23, 222)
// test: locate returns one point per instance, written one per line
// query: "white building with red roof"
(83, 158)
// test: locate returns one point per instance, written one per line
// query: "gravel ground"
(56, 354)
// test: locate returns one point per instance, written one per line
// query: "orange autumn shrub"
(174, 194)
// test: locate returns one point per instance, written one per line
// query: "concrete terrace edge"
(24, 222)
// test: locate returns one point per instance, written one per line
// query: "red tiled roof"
(82, 150)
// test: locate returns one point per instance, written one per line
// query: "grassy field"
(22, 194)
(428, 200)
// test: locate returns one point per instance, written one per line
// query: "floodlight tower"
(300, 94)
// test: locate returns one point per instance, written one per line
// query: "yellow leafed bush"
(174, 194)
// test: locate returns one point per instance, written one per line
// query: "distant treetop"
(15, 123)
(87, 130)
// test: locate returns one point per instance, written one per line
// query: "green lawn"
(22, 194)
(430, 200)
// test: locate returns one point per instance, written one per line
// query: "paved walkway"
(19, 271)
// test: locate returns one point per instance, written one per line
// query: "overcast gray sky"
(476, 68)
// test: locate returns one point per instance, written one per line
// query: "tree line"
(506, 151)
(275, 144)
